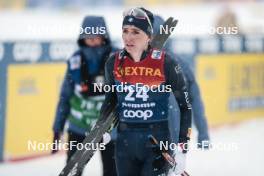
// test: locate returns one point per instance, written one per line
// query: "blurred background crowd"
(223, 41)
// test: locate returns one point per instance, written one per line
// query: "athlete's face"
(135, 40)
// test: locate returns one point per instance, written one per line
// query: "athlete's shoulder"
(172, 64)
(111, 59)
(157, 54)
(186, 69)
(112, 56)
(169, 59)
(113, 51)
(118, 54)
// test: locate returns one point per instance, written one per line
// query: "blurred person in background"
(227, 22)
(199, 117)
(227, 18)
(79, 103)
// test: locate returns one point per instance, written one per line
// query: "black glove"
(159, 161)
(55, 143)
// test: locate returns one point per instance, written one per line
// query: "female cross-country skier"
(147, 76)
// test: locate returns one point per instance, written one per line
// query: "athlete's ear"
(149, 39)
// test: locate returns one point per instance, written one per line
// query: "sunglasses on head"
(139, 14)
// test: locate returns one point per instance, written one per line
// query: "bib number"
(132, 94)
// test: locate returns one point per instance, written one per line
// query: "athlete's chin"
(130, 49)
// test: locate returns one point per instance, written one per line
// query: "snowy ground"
(245, 158)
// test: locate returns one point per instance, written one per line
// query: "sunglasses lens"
(137, 13)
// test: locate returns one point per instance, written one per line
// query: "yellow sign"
(33, 91)
(232, 86)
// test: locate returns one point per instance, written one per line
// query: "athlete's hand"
(180, 159)
(159, 161)
(55, 142)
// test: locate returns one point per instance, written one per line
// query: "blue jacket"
(95, 58)
(199, 117)
(198, 111)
